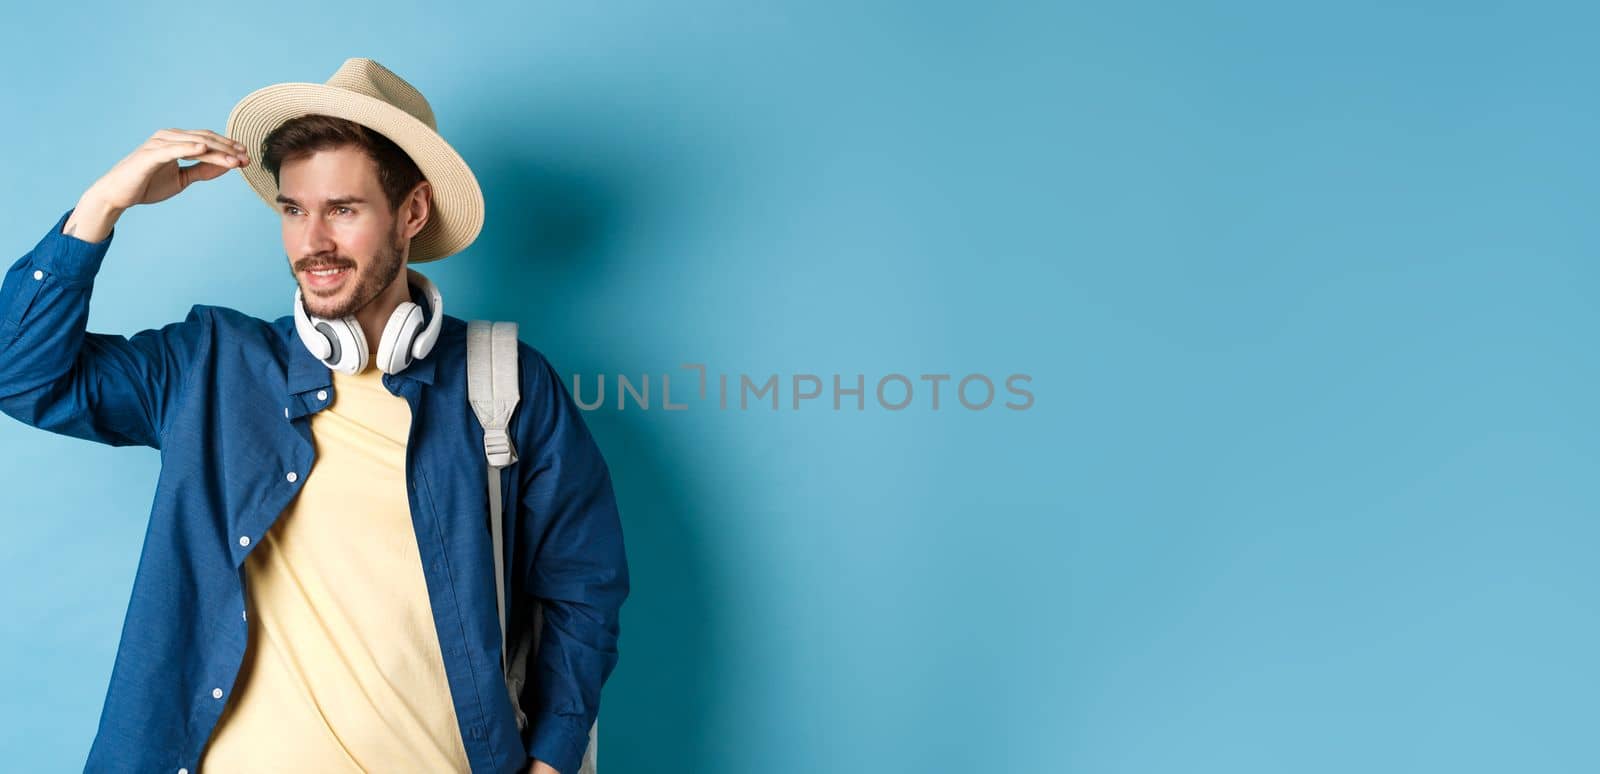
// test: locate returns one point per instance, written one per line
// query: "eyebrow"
(329, 203)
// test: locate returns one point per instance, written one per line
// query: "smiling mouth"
(327, 277)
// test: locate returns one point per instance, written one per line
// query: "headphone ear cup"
(394, 346)
(315, 335)
(349, 344)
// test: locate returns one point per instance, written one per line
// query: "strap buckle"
(497, 445)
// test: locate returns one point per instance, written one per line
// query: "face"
(345, 246)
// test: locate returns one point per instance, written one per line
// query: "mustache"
(317, 264)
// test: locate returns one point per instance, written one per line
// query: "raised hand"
(151, 174)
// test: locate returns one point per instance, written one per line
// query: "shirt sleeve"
(579, 570)
(57, 376)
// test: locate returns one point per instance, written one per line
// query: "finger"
(168, 150)
(219, 141)
(214, 140)
(197, 150)
(237, 147)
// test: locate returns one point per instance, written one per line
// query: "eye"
(289, 209)
(346, 209)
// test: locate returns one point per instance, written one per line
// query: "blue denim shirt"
(226, 398)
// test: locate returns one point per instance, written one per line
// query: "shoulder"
(221, 325)
(540, 381)
(229, 319)
(536, 368)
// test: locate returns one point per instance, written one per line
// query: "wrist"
(92, 203)
(92, 218)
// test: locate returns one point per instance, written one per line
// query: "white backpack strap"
(492, 384)
(493, 391)
(591, 756)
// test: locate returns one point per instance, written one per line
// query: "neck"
(375, 315)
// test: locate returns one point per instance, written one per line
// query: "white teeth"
(327, 272)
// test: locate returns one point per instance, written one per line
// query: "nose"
(316, 238)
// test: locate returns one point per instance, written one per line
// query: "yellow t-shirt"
(342, 672)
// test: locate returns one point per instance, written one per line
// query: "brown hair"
(303, 136)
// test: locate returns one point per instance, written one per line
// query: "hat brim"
(457, 212)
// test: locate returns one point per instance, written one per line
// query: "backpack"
(492, 389)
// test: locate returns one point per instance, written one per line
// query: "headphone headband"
(430, 334)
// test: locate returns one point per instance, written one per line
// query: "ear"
(418, 207)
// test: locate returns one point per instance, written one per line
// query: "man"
(316, 590)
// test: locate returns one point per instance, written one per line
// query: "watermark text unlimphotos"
(893, 392)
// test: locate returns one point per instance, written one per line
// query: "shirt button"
(38, 275)
(322, 394)
(216, 693)
(293, 476)
(285, 412)
(183, 771)
(245, 614)
(244, 540)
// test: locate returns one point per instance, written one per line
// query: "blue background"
(1305, 292)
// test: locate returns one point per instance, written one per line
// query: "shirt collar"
(306, 372)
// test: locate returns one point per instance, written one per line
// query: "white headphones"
(342, 345)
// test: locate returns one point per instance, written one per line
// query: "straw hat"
(369, 94)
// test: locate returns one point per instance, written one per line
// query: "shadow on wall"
(545, 254)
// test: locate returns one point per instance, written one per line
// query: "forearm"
(576, 654)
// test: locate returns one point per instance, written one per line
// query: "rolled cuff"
(559, 741)
(69, 258)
